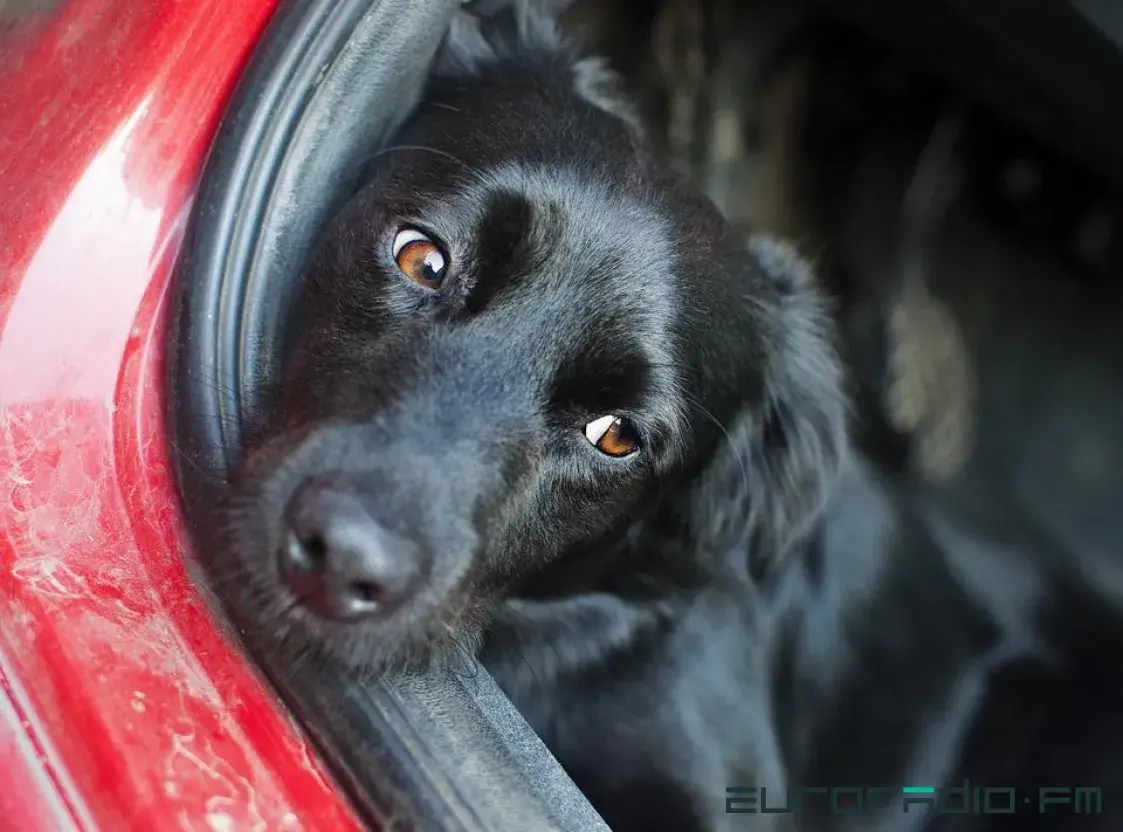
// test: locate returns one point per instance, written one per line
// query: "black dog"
(543, 402)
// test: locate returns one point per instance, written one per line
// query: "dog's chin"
(442, 623)
(436, 630)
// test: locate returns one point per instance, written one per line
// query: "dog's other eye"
(419, 258)
(613, 435)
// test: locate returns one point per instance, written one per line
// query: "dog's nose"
(338, 560)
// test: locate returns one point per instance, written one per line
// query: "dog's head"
(521, 338)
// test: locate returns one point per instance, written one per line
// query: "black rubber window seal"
(326, 86)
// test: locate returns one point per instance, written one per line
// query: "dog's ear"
(485, 31)
(768, 484)
(598, 84)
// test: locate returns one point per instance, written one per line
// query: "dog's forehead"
(571, 243)
(585, 257)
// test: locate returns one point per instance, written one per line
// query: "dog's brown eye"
(613, 435)
(419, 258)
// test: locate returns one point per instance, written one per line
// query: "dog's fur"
(739, 604)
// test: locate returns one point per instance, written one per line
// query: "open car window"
(327, 86)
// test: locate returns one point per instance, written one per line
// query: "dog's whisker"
(418, 148)
(733, 446)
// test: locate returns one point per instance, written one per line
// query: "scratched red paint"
(122, 707)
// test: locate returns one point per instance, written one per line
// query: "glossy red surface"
(122, 707)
